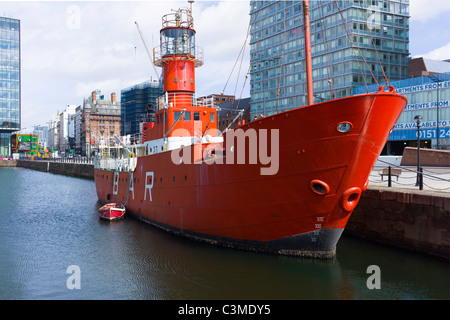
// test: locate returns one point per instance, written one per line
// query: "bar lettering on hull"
(131, 187)
(148, 185)
(116, 183)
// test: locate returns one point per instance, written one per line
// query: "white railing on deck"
(182, 99)
(126, 164)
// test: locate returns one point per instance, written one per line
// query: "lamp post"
(437, 80)
(418, 120)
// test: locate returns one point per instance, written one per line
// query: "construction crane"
(148, 52)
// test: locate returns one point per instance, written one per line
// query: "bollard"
(420, 178)
(389, 177)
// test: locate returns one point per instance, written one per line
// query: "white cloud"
(70, 49)
(221, 31)
(424, 10)
(442, 53)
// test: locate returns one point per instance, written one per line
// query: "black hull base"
(320, 244)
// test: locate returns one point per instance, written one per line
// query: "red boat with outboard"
(112, 211)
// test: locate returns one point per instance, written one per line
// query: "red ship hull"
(301, 210)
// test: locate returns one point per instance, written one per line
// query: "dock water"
(400, 216)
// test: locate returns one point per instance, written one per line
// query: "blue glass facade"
(136, 102)
(9, 82)
(428, 96)
(277, 74)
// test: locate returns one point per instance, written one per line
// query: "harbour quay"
(415, 220)
(399, 215)
(58, 166)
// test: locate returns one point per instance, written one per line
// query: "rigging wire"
(243, 86)
(242, 59)
(350, 35)
(237, 59)
(281, 62)
(249, 68)
(374, 46)
(327, 55)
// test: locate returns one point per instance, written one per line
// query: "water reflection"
(49, 222)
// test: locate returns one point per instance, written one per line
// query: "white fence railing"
(126, 164)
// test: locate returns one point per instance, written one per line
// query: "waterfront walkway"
(435, 179)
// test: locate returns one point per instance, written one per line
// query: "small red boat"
(112, 211)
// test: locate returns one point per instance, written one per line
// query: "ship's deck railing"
(111, 155)
(125, 164)
(109, 142)
(182, 99)
(181, 18)
(179, 52)
(132, 139)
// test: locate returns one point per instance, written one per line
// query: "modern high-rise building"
(9, 82)
(42, 133)
(77, 126)
(137, 105)
(53, 132)
(67, 129)
(340, 32)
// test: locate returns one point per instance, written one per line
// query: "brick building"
(100, 119)
(213, 100)
(228, 111)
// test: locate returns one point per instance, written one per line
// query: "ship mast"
(309, 80)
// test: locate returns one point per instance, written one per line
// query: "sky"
(71, 48)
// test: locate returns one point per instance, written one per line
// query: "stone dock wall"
(84, 170)
(413, 220)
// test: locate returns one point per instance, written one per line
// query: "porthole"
(344, 127)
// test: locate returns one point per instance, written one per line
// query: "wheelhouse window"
(196, 116)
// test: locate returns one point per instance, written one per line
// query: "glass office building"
(10, 82)
(277, 74)
(429, 97)
(137, 104)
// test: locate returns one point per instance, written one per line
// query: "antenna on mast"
(190, 4)
(148, 52)
(190, 10)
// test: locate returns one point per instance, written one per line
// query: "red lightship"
(284, 184)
